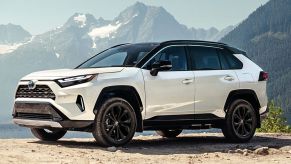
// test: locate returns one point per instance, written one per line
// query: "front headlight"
(70, 81)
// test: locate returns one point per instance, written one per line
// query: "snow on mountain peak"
(81, 20)
(8, 48)
(103, 32)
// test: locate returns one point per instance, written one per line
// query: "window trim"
(185, 50)
(189, 57)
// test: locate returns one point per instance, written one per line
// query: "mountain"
(266, 36)
(11, 33)
(82, 36)
(11, 37)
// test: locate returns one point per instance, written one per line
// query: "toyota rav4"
(128, 88)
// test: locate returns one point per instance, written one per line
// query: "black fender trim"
(248, 95)
(126, 92)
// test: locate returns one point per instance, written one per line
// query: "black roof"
(169, 42)
(197, 42)
(201, 42)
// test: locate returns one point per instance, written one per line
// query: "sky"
(38, 16)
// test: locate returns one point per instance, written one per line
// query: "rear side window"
(204, 58)
(229, 61)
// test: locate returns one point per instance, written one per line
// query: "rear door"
(213, 81)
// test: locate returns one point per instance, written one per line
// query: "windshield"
(120, 56)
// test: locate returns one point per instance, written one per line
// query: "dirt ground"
(187, 148)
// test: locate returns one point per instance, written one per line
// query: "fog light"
(80, 103)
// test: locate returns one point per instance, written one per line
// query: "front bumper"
(55, 107)
(37, 123)
(45, 115)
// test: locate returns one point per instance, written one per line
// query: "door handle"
(187, 81)
(228, 78)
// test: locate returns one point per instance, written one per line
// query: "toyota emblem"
(31, 84)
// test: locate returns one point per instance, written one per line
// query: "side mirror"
(162, 65)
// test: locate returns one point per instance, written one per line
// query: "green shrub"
(275, 122)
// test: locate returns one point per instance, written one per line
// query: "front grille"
(34, 116)
(40, 91)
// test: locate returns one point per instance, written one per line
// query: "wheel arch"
(129, 93)
(245, 94)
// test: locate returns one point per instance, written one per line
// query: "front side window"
(175, 54)
(204, 58)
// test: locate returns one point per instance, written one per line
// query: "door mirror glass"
(162, 65)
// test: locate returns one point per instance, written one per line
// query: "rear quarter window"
(229, 61)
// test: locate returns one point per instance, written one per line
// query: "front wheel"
(169, 133)
(115, 123)
(240, 121)
(48, 135)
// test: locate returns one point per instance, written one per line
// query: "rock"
(245, 153)
(239, 151)
(257, 147)
(230, 151)
(247, 150)
(262, 151)
(285, 148)
(32, 150)
(273, 151)
(112, 149)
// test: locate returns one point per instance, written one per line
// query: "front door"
(171, 92)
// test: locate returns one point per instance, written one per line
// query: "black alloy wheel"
(169, 133)
(243, 121)
(48, 135)
(240, 121)
(115, 123)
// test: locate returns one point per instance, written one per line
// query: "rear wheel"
(115, 123)
(240, 121)
(169, 133)
(48, 135)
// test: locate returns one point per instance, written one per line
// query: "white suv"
(128, 88)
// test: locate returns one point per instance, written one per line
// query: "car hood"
(62, 73)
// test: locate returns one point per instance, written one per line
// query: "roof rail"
(193, 42)
(120, 45)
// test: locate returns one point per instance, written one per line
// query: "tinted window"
(124, 55)
(204, 58)
(115, 59)
(224, 63)
(230, 60)
(175, 54)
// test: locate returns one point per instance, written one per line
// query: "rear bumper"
(45, 115)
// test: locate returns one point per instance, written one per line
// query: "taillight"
(263, 76)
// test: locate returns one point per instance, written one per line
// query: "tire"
(48, 135)
(240, 121)
(169, 133)
(115, 123)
